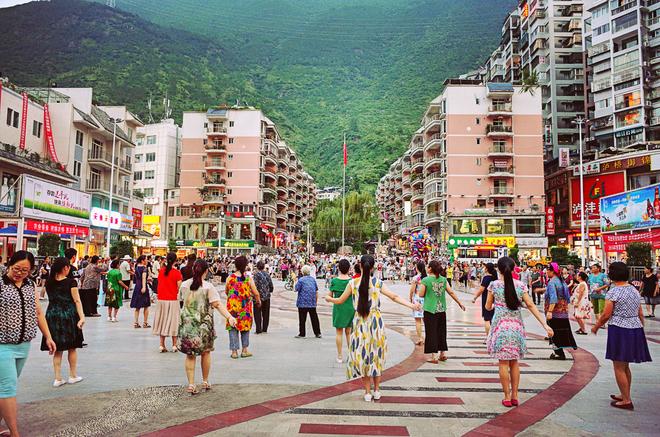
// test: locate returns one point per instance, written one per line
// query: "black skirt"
(435, 332)
(563, 337)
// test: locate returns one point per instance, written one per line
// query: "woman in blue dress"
(141, 298)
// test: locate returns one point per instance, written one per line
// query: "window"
(138, 158)
(230, 191)
(148, 192)
(151, 157)
(231, 124)
(466, 227)
(137, 176)
(627, 60)
(206, 125)
(602, 104)
(477, 120)
(628, 118)
(528, 226)
(600, 11)
(148, 174)
(230, 174)
(139, 141)
(205, 141)
(151, 139)
(602, 29)
(627, 100)
(80, 138)
(77, 167)
(499, 226)
(476, 100)
(231, 141)
(36, 128)
(148, 209)
(230, 157)
(478, 140)
(12, 118)
(170, 211)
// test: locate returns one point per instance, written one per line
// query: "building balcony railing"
(215, 181)
(500, 150)
(501, 192)
(97, 186)
(216, 130)
(499, 109)
(100, 157)
(214, 198)
(215, 147)
(500, 171)
(434, 176)
(499, 130)
(433, 196)
(215, 164)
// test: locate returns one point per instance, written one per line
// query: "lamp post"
(112, 178)
(579, 122)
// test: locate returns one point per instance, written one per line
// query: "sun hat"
(127, 257)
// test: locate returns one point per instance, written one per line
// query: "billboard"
(151, 224)
(100, 217)
(636, 209)
(49, 201)
(595, 187)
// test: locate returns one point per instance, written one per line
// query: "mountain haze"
(319, 69)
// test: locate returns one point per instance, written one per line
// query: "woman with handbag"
(115, 290)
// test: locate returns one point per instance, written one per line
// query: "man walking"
(126, 272)
(264, 285)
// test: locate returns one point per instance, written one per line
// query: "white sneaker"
(340, 360)
(114, 320)
(59, 383)
(109, 319)
(377, 395)
(367, 397)
(75, 380)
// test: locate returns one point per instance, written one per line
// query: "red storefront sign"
(137, 218)
(595, 187)
(617, 243)
(21, 142)
(54, 228)
(625, 163)
(550, 220)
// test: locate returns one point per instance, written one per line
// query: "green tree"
(639, 254)
(530, 82)
(562, 256)
(171, 245)
(121, 248)
(49, 245)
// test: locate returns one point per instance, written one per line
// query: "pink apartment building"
(241, 186)
(473, 173)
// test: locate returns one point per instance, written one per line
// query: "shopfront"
(121, 226)
(201, 248)
(235, 247)
(478, 248)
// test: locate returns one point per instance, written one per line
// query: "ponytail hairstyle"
(171, 259)
(366, 265)
(436, 268)
(241, 263)
(421, 269)
(58, 266)
(199, 269)
(506, 265)
(490, 268)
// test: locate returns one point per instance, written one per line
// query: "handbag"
(101, 299)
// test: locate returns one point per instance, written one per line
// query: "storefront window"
(499, 226)
(528, 226)
(466, 227)
(246, 231)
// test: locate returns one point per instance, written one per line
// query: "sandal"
(192, 390)
(616, 398)
(443, 358)
(246, 355)
(206, 386)
(175, 349)
(234, 356)
(162, 349)
(146, 325)
(136, 325)
(628, 406)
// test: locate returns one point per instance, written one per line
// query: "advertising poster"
(595, 187)
(48, 201)
(137, 218)
(8, 192)
(631, 210)
(100, 217)
(151, 224)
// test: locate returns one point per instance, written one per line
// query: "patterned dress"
(506, 340)
(196, 330)
(239, 302)
(366, 356)
(582, 308)
(417, 299)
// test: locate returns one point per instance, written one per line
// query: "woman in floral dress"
(196, 330)
(368, 345)
(241, 290)
(506, 339)
(581, 303)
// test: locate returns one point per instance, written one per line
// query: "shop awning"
(11, 230)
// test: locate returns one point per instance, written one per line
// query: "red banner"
(21, 143)
(550, 220)
(595, 187)
(54, 228)
(617, 243)
(48, 135)
(137, 218)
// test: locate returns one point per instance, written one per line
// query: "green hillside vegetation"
(317, 68)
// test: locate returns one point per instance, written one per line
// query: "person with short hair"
(90, 281)
(126, 272)
(264, 285)
(306, 302)
(141, 299)
(650, 291)
(598, 284)
(342, 314)
(626, 341)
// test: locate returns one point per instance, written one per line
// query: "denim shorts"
(12, 360)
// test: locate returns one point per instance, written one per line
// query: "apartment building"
(473, 173)
(156, 170)
(241, 186)
(622, 45)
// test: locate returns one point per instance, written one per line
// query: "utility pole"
(579, 122)
(112, 179)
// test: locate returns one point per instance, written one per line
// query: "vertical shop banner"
(48, 135)
(21, 143)
(564, 157)
(137, 219)
(595, 187)
(550, 221)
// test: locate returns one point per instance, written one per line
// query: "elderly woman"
(241, 292)
(307, 290)
(90, 281)
(556, 300)
(20, 315)
(626, 342)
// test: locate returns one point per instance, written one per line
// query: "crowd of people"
(186, 292)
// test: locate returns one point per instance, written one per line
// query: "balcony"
(432, 217)
(494, 130)
(500, 109)
(96, 186)
(215, 164)
(216, 130)
(417, 163)
(500, 150)
(270, 171)
(501, 193)
(432, 121)
(211, 198)
(417, 195)
(500, 171)
(436, 140)
(434, 159)
(416, 148)
(216, 147)
(214, 182)
(269, 189)
(433, 196)
(99, 158)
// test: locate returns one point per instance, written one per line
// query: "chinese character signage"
(54, 228)
(618, 242)
(550, 228)
(588, 168)
(48, 201)
(197, 243)
(564, 157)
(100, 218)
(500, 241)
(631, 210)
(626, 163)
(237, 244)
(137, 218)
(595, 187)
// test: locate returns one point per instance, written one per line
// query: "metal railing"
(492, 128)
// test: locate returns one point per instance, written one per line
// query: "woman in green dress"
(342, 314)
(115, 291)
(196, 330)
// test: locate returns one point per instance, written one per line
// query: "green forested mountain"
(319, 68)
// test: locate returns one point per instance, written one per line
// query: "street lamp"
(114, 122)
(579, 122)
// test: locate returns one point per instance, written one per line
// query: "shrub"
(49, 245)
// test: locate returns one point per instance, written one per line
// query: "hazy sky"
(7, 3)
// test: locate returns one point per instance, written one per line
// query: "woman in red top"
(166, 322)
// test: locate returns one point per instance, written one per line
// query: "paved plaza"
(295, 387)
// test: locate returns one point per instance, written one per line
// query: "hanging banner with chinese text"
(55, 228)
(48, 135)
(21, 143)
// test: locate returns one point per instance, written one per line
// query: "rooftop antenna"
(111, 3)
(168, 110)
(151, 118)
